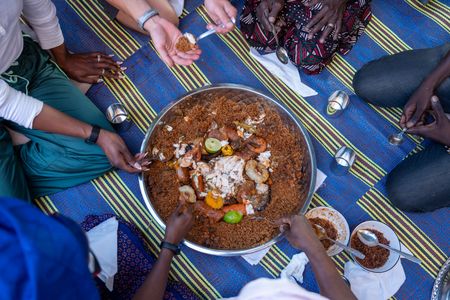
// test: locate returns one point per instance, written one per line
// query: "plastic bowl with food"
(378, 260)
(337, 220)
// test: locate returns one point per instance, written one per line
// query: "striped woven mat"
(149, 85)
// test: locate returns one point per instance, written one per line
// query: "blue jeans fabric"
(421, 182)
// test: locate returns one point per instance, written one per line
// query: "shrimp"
(256, 171)
(256, 144)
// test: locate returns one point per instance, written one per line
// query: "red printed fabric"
(310, 55)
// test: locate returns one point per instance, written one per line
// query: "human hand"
(222, 13)
(267, 12)
(439, 130)
(89, 67)
(179, 224)
(165, 36)
(118, 154)
(416, 106)
(329, 18)
(299, 232)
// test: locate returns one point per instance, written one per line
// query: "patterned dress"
(134, 262)
(310, 55)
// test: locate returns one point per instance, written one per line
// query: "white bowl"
(390, 235)
(339, 222)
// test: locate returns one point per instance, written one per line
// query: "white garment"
(41, 14)
(279, 289)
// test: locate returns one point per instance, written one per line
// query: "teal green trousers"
(48, 163)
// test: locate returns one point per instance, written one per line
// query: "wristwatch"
(146, 16)
(92, 139)
(172, 247)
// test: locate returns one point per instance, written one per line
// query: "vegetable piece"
(182, 174)
(212, 145)
(187, 194)
(198, 184)
(232, 217)
(227, 150)
(236, 207)
(214, 202)
(206, 211)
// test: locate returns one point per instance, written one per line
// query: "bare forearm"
(330, 281)
(155, 284)
(439, 74)
(59, 53)
(133, 8)
(54, 121)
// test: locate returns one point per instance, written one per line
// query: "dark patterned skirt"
(134, 262)
(310, 55)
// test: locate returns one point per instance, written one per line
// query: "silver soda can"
(343, 161)
(118, 116)
(337, 103)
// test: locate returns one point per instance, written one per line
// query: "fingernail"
(111, 55)
(233, 20)
(119, 62)
(321, 41)
(121, 76)
(99, 80)
(123, 68)
(434, 99)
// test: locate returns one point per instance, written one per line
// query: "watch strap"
(92, 139)
(172, 247)
(146, 16)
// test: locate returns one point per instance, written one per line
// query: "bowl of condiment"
(378, 259)
(334, 224)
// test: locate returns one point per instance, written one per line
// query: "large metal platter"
(233, 90)
(441, 288)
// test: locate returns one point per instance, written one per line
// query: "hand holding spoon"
(322, 235)
(211, 31)
(281, 53)
(396, 139)
(370, 239)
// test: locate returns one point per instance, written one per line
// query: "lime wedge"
(212, 145)
(232, 217)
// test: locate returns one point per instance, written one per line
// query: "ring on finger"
(98, 58)
(103, 72)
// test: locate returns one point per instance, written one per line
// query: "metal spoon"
(370, 239)
(322, 235)
(281, 53)
(211, 31)
(396, 139)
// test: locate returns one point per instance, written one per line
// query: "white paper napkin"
(375, 286)
(255, 258)
(103, 242)
(287, 73)
(294, 270)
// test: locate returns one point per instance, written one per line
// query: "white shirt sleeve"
(18, 107)
(41, 14)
